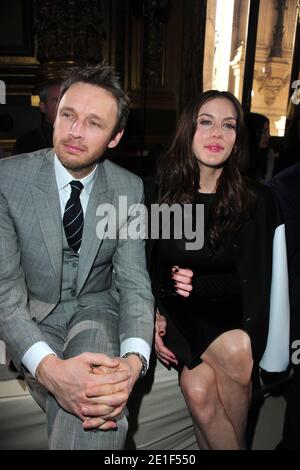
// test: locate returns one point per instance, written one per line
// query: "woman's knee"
(238, 361)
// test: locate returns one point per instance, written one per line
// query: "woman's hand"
(163, 353)
(183, 280)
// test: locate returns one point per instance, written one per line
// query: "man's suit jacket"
(31, 251)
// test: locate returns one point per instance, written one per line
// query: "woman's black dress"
(214, 306)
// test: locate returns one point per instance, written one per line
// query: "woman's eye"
(204, 122)
(229, 125)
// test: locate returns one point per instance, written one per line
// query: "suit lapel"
(46, 201)
(92, 240)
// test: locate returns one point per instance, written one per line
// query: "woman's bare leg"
(213, 428)
(217, 392)
(201, 440)
(231, 358)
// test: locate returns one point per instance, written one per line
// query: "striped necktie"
(73, 217)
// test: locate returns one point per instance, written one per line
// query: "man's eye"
(94, 124)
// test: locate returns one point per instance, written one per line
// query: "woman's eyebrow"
(211, 116)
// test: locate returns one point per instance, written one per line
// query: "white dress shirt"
(38, 351)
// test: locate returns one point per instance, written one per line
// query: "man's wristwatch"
(141, 358)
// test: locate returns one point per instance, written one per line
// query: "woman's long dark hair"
(179, 173)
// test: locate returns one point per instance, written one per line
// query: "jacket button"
(235, 245)
(248, 319)
(244, 281)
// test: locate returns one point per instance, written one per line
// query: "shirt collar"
(63, 177)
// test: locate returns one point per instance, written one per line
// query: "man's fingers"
(99, 390)
(99, 424)
(97, 410)
(108, 425)
(113, 400)
(114, 414)
(114, 378)
(104, 412)
(100, 370)
(100, 359)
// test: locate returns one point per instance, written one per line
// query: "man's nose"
(77, 129)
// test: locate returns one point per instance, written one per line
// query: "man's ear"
(114, 142)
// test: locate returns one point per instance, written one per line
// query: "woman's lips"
(214, 148)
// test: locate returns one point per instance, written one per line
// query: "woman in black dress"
(214, 330)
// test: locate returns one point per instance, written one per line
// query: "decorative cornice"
(270, 85)
(70, 30)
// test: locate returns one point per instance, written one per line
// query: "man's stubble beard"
(75, 166)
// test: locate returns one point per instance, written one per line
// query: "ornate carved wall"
(69, 32)
(154, 45)
(62, 34)
(274, 52)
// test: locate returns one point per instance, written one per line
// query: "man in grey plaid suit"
(77, 320)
